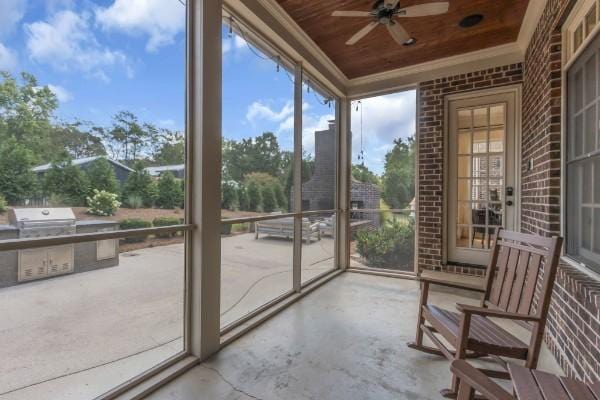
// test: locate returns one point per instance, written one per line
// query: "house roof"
(154, 171)
(82, 161)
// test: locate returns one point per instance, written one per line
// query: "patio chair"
(521, 267)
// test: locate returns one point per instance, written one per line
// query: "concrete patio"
(347, 340)
(133, 312)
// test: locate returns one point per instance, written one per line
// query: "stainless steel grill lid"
(22, 217)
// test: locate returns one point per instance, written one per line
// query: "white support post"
(344, 176)
(297, 262)
(203, 111)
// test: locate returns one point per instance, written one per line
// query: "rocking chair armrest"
(455, 285)
(476, 379)
(488, 312)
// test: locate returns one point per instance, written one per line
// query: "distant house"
(177, 170)
(121, 171)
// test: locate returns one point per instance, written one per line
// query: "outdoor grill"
(42, 222)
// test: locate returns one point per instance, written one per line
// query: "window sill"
(580, 267)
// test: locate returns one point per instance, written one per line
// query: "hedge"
(166, 221)
(135, 223)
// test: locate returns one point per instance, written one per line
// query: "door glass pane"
(479, 190)
(464, 143)
(495, 214)
(578, 93)
(497, 141)
(464, 213)
(480, 167)
(462, 236)
(496, 189)
(590, 20)
(497, 115)
(464, 119)
(480, 117)
(480, 141)
(463, 189)
(578, 136)
(496, 166)
(587, 183)
(464, 163)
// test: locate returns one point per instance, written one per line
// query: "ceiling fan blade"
(391, 4)
(351, 14)
(424, 10)
(398, 33)
(362, 33)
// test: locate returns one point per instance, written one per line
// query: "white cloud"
(11, 12)
(232, 44)
(385, 118)
(8, 58)
(62, 94)
(159, 20)
(66, 42)
(260, 111)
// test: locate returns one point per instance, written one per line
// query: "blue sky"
(103, 56)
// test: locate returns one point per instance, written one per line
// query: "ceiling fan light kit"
(385, 12)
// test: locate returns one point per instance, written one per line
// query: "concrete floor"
(347, 340)
(77, 336)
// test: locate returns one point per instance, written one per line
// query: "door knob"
(509, 202)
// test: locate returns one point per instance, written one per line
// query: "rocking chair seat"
(485, 336)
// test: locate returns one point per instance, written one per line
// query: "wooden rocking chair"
(522, 267)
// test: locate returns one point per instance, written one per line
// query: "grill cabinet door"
(60, 260)
(32, 264)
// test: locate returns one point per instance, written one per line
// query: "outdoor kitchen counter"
(86, 256)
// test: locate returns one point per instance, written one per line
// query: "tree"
(228, 195)
(399, 174)
(78, 142)
(261, 154)
(102, 176)
(363, 174)
(169, 190)
(170, 149)
(17, 180)
(279, 196)
(254, 196)
(67, 181)
(126, 139)
(26, 110)
(269, 204)
(243, 200)
(139, 184)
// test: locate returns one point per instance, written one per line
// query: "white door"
(481, 176)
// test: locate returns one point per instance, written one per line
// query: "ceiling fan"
(383, 13)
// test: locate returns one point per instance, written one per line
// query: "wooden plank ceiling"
(437, 36)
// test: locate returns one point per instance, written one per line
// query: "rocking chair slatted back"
(514, 271)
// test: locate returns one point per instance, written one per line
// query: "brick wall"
(431, 151)
(573, 330)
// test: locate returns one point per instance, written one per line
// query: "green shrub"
(254, 196)
(269, 204)
(135, 223)
(102, 176)
(391, 246)
(165, 221)
(134, 201)
(3, 204)
(169, 193)
(67, 181)
(139, 183)
(103, 203)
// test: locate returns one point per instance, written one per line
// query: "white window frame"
(575, 19)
